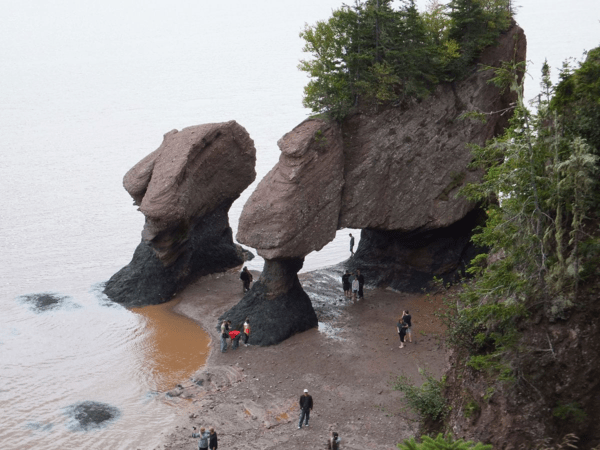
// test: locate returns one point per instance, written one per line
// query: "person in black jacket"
(212, 439)
(306, 406)
(346, 284)
(246, 278)
(361, 283)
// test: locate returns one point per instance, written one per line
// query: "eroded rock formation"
(295, 208)
(277, 304)
(394, 174)
(185, 189)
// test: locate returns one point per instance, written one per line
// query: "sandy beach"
(250, 395)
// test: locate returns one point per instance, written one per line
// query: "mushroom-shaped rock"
(185, 189)
(294, 209)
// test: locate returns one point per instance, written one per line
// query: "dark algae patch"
(89, 415)
(44, 301)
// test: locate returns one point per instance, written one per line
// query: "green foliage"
(570, 412)
(475, 24)
(427, 401)
(442, 443)
(471, 409)
(539, 191)
(576, 99)
(370, 53)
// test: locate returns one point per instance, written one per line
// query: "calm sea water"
(86, 90)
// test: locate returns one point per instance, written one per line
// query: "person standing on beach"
(246, 331)
(401, 328)
(204, 436)
(407, 319)
(246, 278)
(346, 284)
(212, 440)
(351, 244)
(306, 406)
(224, 336)
(355, 286)
(361, 283)
(333, 443)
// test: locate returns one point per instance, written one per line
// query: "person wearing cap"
(306, 406)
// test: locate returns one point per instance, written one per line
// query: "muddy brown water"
(90, 375)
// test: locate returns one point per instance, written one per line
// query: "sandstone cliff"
(185, 189)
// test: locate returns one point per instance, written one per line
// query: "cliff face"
(555, 391)
(394, 174)
(185, 189)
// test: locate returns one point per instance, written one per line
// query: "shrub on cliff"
(427, 400)
(539, 190)
(442, 443)
(371, 53)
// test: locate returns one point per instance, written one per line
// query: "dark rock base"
(409, 261)
(276, 304)
(44, 301)
(91, 415)
(207, 247)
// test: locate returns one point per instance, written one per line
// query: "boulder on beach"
(185, 189)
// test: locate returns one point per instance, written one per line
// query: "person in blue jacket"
(204, 436)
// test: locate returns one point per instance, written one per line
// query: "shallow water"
(88, 350)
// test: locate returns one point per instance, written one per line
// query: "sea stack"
(394, 173)
(185, 189)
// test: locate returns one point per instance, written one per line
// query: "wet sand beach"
(250, 395)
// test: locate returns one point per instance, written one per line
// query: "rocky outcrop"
(277, 301)
(394, 174)
(185, 189)
(408, 261)
(295, 208)
(409, 165)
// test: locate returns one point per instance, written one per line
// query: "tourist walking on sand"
(212, 440)
(246, 278)
(204, 436)
(246, 331)
(401, 327)
(361, 283)
(351, 244)
(224, 336)
(306, 406)
(355, 286)
(346, 283)
(333, 443)
(407, 319)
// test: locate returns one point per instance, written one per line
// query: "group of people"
(234, 335)
(353, 289)
(403, 327)
(208, 439)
